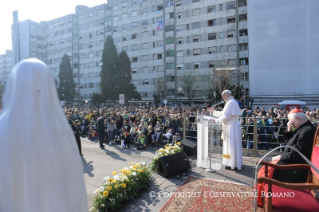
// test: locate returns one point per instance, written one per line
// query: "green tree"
(97, 98)
(110, 71)
(125, 78)
(66, 89)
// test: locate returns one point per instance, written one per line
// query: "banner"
(122, 101)
(160, 26)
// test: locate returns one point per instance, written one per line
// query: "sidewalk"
(154, 204)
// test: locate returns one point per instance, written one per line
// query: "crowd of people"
(140, 125)
(271, 125)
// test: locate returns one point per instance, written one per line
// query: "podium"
(209, 144)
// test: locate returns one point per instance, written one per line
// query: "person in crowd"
(43, 153)
(101, 130)
(250, 133)
(77, 133)
(231, 133)
(92, 134)
(125, 138)
(262, 130)
(141, 141)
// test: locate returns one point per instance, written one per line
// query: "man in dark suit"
(100, 128)
(77, 131)
(301, 139)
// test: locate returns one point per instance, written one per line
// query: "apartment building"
(166, 39)
(6, 65)
(163, 38)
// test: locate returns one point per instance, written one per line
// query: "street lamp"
(180, 91)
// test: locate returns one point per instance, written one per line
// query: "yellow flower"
(114, 173)
(178, 143)
(130, 163)
(134, 166)
(121, 170)
(116, 186)
(123, 185)
(133, 169)
(129, 171)
(162, 150)
(124, 171)
(105, 193)
(140, 170)
(137, 164)
(128, 180)
(114, 181)
(110, 180)
(144, 168)
(109, 188)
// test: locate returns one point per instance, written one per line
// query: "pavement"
(99, 163)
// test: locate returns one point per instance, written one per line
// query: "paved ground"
(99, 163)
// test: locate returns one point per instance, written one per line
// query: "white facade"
(284, 49)
(196, 36)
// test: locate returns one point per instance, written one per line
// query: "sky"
(35, 10)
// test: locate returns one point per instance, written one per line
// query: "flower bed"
(168, 150)
(124, 185)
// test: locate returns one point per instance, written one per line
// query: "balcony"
(243, 39)
(243, 25)
(242, 10)
(243, 54)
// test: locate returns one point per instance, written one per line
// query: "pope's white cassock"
(231, 134)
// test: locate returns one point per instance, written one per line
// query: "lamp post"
(180, 91)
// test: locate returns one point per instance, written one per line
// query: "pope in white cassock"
(231, 132)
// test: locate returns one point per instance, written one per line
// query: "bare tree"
(189, 83)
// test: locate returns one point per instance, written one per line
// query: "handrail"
(304, 157)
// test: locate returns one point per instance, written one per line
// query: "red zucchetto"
(296, 111)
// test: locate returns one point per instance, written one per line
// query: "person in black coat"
(77, 132)
(100, 128)
(302, 140)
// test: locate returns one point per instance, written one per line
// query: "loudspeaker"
(172, 164)
(189, 146)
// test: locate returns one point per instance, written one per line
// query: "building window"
(195, 12)
(160, 44)
(211, 9)
(197, 65)
(169, 40)
(170, 65)
(134, 48)
(196, 52)
(134, 59)
(160, 56)
(134, 71)
(220, 7)
(169, 3)
(91, 85)
(144, 34)
(231, 34)
(196, 38)
(196, 25)
(145, 82)
(179, 15)
(170, 53)
(221, 48)
(124, 38)
(170, 79)
(170, 92)
(134, 13)
(124, 27)
(231, 20)
(212, 50)
(212, 64)
(91, 54)
(243, 18)
(180, 53)
(144, 23)
(144, 11)
(169, 28)
(144, 45)
(145, 58)
(212, 22)
(231, 5)
(159, 8)
(221, 35)
(134, 25)
(134, 36)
